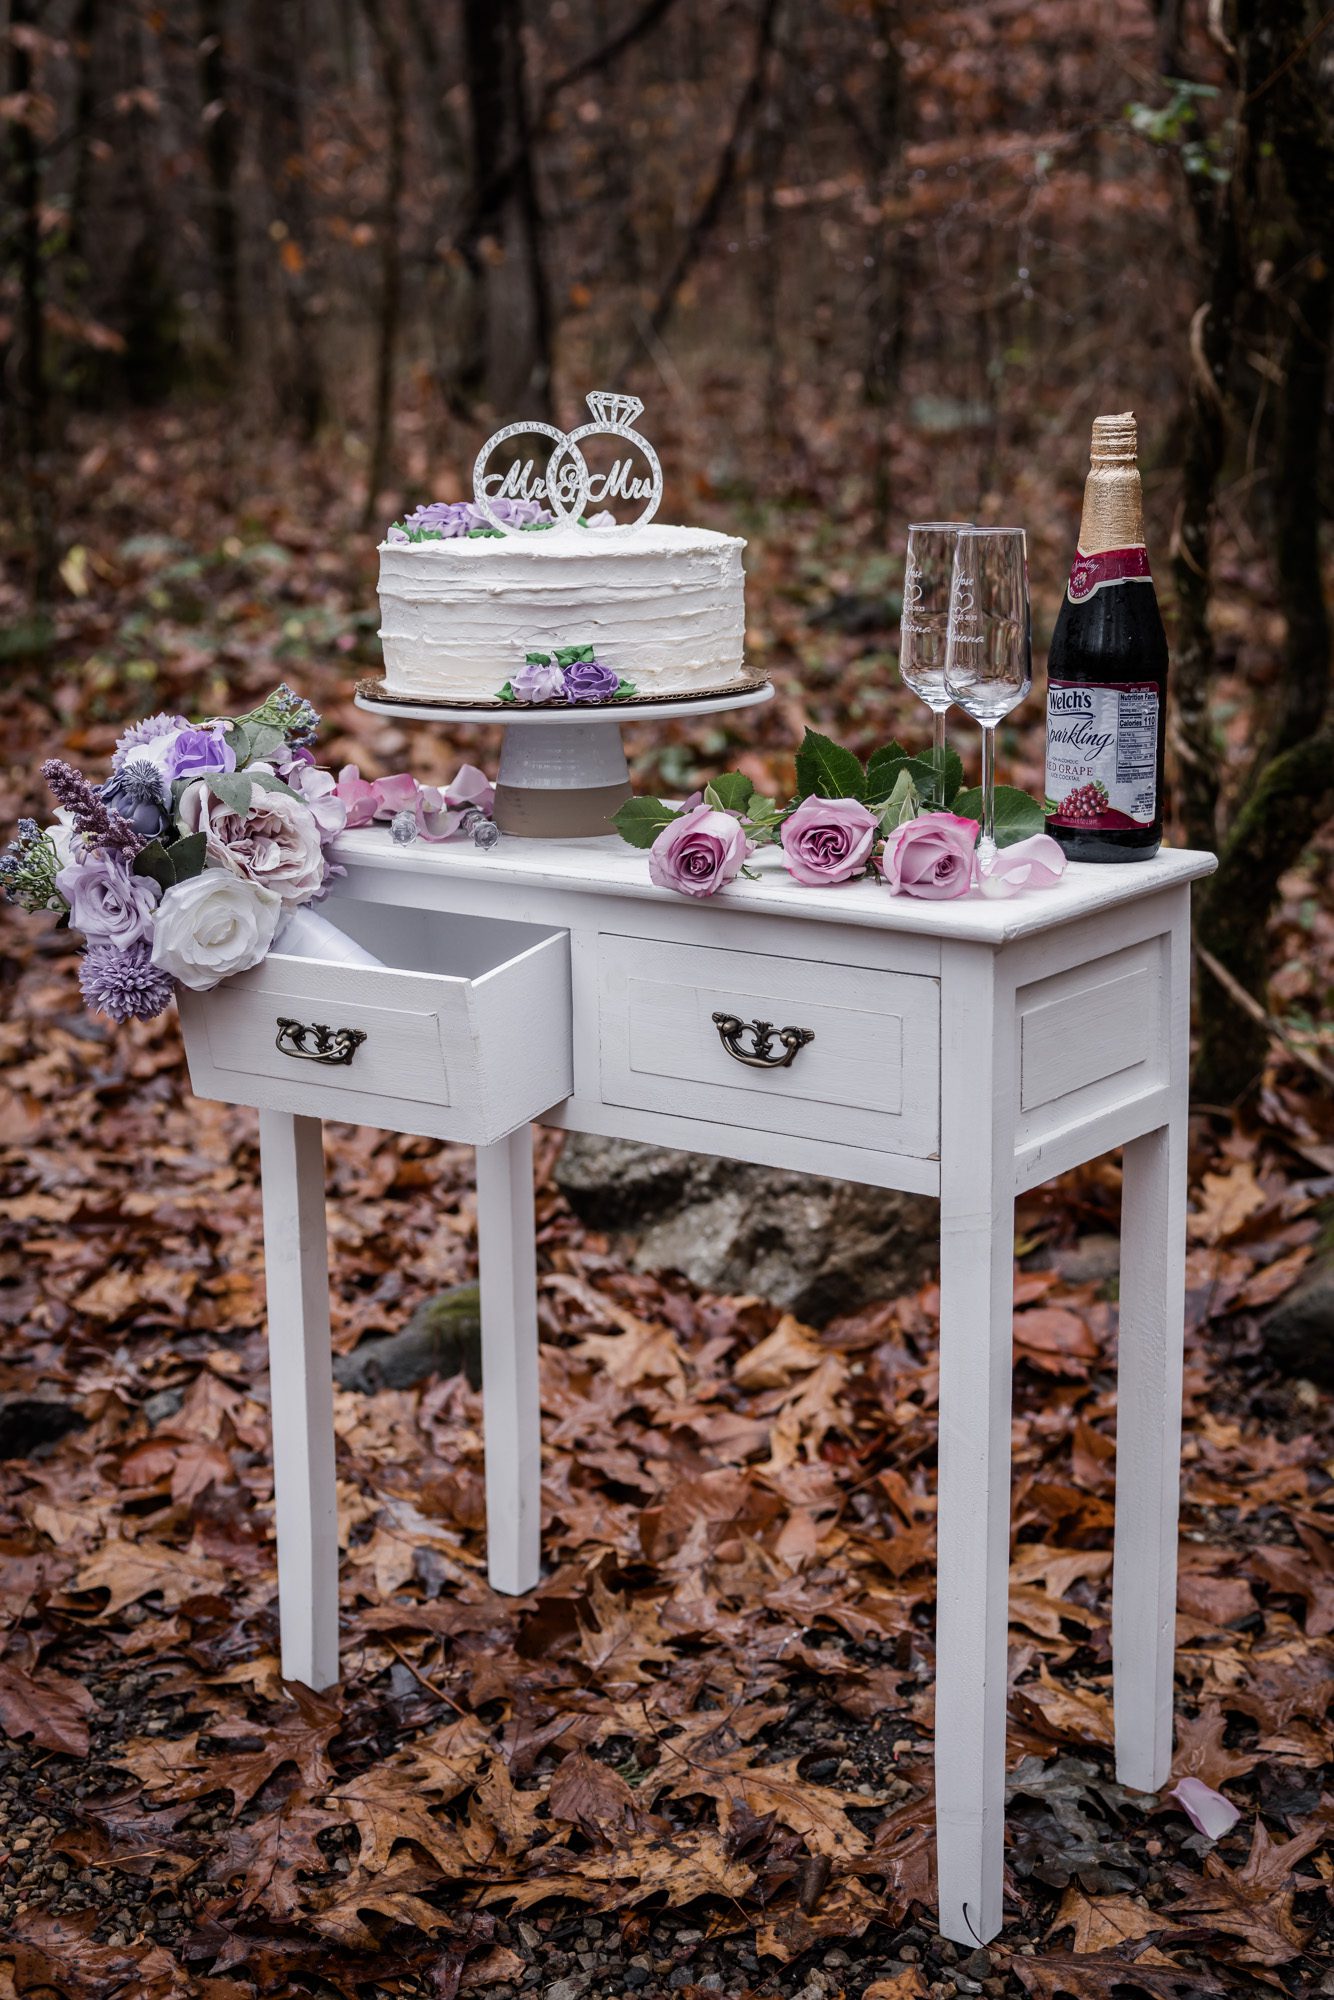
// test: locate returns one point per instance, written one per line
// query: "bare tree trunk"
(85, 106)
(222, 144)
(888, 251)
(390, 52)
(282, 146)
(34, 397)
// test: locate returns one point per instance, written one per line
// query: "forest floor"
(697, 1758)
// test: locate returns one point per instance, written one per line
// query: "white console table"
(967, 1050)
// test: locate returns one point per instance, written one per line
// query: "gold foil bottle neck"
(1113, 515)
(1115, 440)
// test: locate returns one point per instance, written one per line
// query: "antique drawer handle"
(763, 1035)
(316, 1043)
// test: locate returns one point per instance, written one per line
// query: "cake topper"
(568, 487)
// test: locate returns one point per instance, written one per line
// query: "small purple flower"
(514, 513)
(589, 680)
(146, 731)
(196, 751)
(136, 792)
(446, 518)
(540, 680)
(106, 902)
(124, 984)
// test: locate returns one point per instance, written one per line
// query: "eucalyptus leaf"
(187, 856)
(271, 782)
(1017, 815)
(232, 789)
(828, 771)
(640, 821)
(265, 742)
(155, 862)
(732, 792)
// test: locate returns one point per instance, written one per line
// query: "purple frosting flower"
(698, 852)
(539, 680)
(137, 793)
(589, 680)
(196, 751)
(828, 840)
(124, 984)
(449, 519)
(514, 513)
(146, 731)
(106, 902)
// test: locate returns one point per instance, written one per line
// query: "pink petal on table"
(395, 792)
(1035, 863)
(470, 787)
(1207, 1810)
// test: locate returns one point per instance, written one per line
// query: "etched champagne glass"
(989, 646)
(927, 572)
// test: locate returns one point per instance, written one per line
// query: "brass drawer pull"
(762, 1033)
(330, 1045)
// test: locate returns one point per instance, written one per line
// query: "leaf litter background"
(697, 1758)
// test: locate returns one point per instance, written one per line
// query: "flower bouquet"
(904, 818)
(205, 847)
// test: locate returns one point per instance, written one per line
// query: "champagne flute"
(927, 571)
(989, 645)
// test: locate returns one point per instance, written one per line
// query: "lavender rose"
(930, 856)
(827, 840)
(698, 853)
(274, 842)
(194, 751)
(589, 680)
(538, 680)
(106, 902)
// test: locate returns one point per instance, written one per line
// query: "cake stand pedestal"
(562, 770)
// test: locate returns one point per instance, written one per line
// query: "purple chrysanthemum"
(124, 984)
(147, 731)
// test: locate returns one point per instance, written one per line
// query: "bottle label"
(1102, 754)
(1090, 573)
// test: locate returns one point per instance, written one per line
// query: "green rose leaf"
(1017, 815)
(891, 753)
(729, 793)
(902, 804)
(827, 770)
(640, 821)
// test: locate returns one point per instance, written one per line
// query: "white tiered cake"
(511, 599)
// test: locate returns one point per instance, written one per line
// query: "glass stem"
(986, 846)
(938, 753)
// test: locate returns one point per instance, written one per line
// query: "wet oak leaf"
(1101, 1923)
(130, 1571)
(592, 1796)
(52, 1709)
(1202, 1753)
(1108, 1976)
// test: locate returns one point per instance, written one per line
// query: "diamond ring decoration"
(567, 487)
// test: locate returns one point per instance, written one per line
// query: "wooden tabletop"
(611, 867)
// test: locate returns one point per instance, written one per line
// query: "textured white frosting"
(664, 607)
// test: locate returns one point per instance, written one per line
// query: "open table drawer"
(462, 1033)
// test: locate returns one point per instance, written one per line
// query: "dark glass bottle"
(1107, 672)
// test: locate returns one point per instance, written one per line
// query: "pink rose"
(1035, 863)
(828, 840)
(275, 842)
(698, 852)
(931, 855)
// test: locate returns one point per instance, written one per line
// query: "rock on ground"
(1299, 1332)
(814, 1247)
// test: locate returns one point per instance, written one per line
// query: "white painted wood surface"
(296, 1266)
(1061, 1025)
(511, 1400)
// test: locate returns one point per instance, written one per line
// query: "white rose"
(214, 925)
(64, 837)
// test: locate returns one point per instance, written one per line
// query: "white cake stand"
(562, 770)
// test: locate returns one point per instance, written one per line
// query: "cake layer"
(664, 607)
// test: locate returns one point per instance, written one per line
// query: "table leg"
(973, 1559)
(296, 1262)
(511, 1406)
(1148, 1452)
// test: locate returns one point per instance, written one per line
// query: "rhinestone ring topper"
(568, 487)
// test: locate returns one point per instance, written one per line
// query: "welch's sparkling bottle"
(1107, 671)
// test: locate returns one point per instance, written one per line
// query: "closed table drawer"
(841, 1053)
(462, 1033)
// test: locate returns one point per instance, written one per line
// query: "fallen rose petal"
(471, 787)
(1207, 1810)
(395, 792)
(1035, 863)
